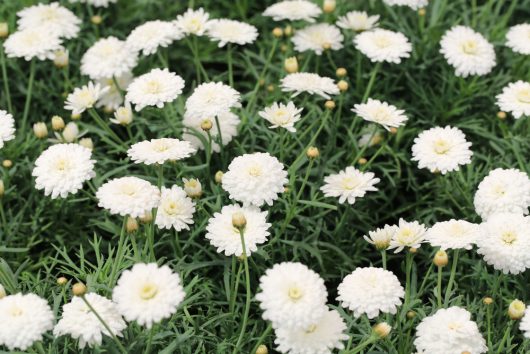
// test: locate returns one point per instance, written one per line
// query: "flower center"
(499, 190)
(509, 237)
(281, 117)
(524, 95)
(128, 189)
(441, 147)
(86, 98)
(349, 183)
(160, 146)
(311, 328)
(382, 41)
(171, 207)
(254, 171)
(153, 87)
(49, 14)
(381, 115)
(470, 47)
(453, 326)
(194, 25)
(148, 291)
(61, 164)
(15, 311)
(294, 293)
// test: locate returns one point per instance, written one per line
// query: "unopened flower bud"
(516, 309)
(326, 46)
(219, 176)
(79, 289)
(131, 225)
(440, 259)
(192, 187)
(2, 188)
(382, 329)
(75, 116)
(4, 30)
(40, 130)
(70, 132)
(262, 349)
(413, 250)
(96, 19)
(411, 314)
(206, 125)
(501, 115)
(286, 189)
(362, 161)
(270, 88)
(57, 123)
(61, 58)
(329, 104)
(487, 300)
(123, 115)
(393, 130)
(288, 30)
(291, 65)
(147, 217)
(342, 85)
(341, 72)
(329, 6)
(277, 32)
(261, 82)
(422, 12)
(62, 281)
(87, 142)
(238, 220)
(284, 48)
(2, 292)
(7, 163)
(312, 152)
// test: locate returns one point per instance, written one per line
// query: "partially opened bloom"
(441, 149)
(112, 99)
(156, 88)
(349, 184)
(175, 209)
(310, 83)
(455, 234)
(381, 237)
(227, 31)
(108, 57)
(318, 38)
(408, 234)
(293, 10)
(515, 98)
(518, 38)
(357, 21)
(84, 97)
(281, 115)
(33, 42)
(50, 17)
(381, 45)
(226, 129)
(158, 151)
(413, 4)
(148, 293)
(7, 127)
(192, 22)
(149, 36)
(381, 112)
(211, 99)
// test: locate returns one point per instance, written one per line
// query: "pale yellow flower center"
(509, 237)
(456, 230)
(153, 87)
(381, 115)
(49, 14)
(295, 293)
(281, 117)
(311, 328)
(470, 47)
(499, 190)
(194, 25)
(441, 147)
(523, 95)
(15, 311)
(382, 41)
(349, 183)
(254, 171)
(160, 146)
(148, 291)
(62, 164)
(128, 189)
(191, 183)
(454, 326)
(171, 207)
(30, 40)
(86, 98)
(107, 49)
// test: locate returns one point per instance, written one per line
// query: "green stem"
(262, 337)
(408, 268)
(4, 78)
(505, 337)
(439, 289)
(488, 318)
(94, 114)
(230, 65)
(363, 345)
(118, 259)
(247, 284)
(28, 96)
(371, 82)
(383, 257)
(451, 278)
(149, 340)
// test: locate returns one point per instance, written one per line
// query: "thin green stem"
(119, 255)
(408, 269)
(4, 79)
(451, 278)
(383, 257)
(371, 82)
(28, 95)
(439, 288)
(149, 340)
(372, 339)
(505, 338)
(94, 114)
(247, 284)
(262, 337)
(230, 65)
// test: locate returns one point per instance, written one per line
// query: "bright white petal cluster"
(193, 133)
(131, 196)
(79, 322)
(293, 10)
(441, 149)
(112, 99)
(408, 234)
(453, 234)
(155, 88)
(292, 296)
(175, 209)
(96, 3)
(147, 37)
(515, 98)
(158, 151)
(381, 112)
(467, 51)
(357, 21)
(318, 38)
(449, 330)
(148, 293)
(192, 22)
(281, 115)
(62, 169)
(518, 38)
(505, 242)
(226, 238)
(413, 4)
(503, 191)
(381, 45)
(33, 42)
(211, 99)
(23, 320)
(322, 337)
(524, 325)
(7, 127)
(381, 237)
(108, 57)
(227, 31)
(50, 17)
(255, 179)
(84, 97)
(310, 83)
(349, 184)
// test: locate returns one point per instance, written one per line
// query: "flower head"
(156, 88)
(50, 17)
(193, 132)
(212, 99)
(381, 112)
(413, 4)
(227, 31)
(175, 209)
(33, 42)
(381, 237)
(349, 184)
(524, 326)
(381, 45)
(108, 57)
(192, 22)
(151, 35)
(112, 99)
(318, 38)
(408, 234)
(310, 83)
(455, 234)
(518, 38)
(515, 98)
(281, 115)
(158, 151)
(357, 21)
(84, 97)
(293, 10)
(7, 127)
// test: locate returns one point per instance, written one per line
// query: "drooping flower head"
(357, 21)
(84, 97)
(408, 234)
(381, 237)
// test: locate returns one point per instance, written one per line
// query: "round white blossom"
(112, 99)
(62, 169)
(357, 21)
(227, 31)
(292, 296)
(310, 83)
(518, 38)
(441, 149)
(211, 99)
(192, 22)
(381, 112)
(175, 209)
(453, 234)
(108, 57)
(255, 179)
(158, 151)
(96, 3)
(281, 115)
(33, 42)
(49, 17)
(524, 325)
(156, 88)
(318, 38)
(7, 127)
(349, 184)
(193, 131)
(148, 293)
(381, 45)
(381, 237)
(408, 234)
(151, 35)
(413, 4)
(293, 10)
(84, 97)
(515, 98)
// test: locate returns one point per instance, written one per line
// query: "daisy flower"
(7, 127)
(158, 151)
(128, 196)
(292, 296)
(84, 97)
(441, 149)
(226, 238)
(310, 83)
(413, 4)
(156, 88)
(524, 325)
(453, 234)
(407, 234)
(175, 209)
(293, 10)
(192, 22)
(108, 57)
(518, 38)
(151, 35)
(381, 238)
(255, 179)
(96, 3)
(318, 38)
(281, 115)
(381, 112)
(31, 43)
(467, 51)
(62, 169)
(113, 99)
(81, 323)
(53, 17)
(349, 184)
(194, 133)
(515, 98)
(192, 187)
(381, 45)
(123, 115)
(227, 31)
(211, 99)
(148, 293)
(357, 21)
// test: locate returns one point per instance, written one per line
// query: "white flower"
(407, 234)
(51, 17)
(292, 296)
(321, 337)
(503, 191)
(505, 242)
(123, 115)
(158, 151)
(310, 83)
(23, 320)
(148, 293)
(381, 238)
(33, 42)
(7, 127)
(441, 149)
(255, 179)
(449, 330)
(467, 51)
(318, 38)
(112, 99)
(515, 98)
(381, 112)
(518, 38)
(211, 99)
(131, 196)
(524, 325)
(293, 10)
(150, 35)
(108, 57)
(96, 3)
(175, 209)
(349, 184)
(281, 115)
(70, 133)
(155, 88)
(227, 31)
(81, 323)
(192, 22)
(84, 97)
(62, 169)
(453, 234)
(357, 21)
(193, 132)
(370, 291)
(381, 45)
(226, 238)
(192, 187)
(413, 4)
